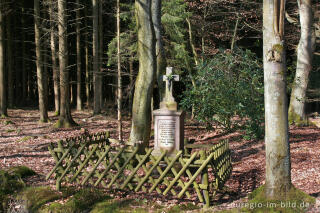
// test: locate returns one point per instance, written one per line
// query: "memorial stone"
(169, 122)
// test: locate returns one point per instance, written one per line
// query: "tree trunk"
(100, 41)
(131, 84)
(65, 119)
(161, 61)
(79, 102)
(87, 63)
(95, 54)
(141, 112)
(23, 65)
(55, 69)
(119, 98)
(10, 69)
(278, 166)
(41, 75)
(305, 51)
(3, 98)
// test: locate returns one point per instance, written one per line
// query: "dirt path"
(24, 141)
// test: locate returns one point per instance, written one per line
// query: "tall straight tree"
(119, 98)
(305, 52)
(55, 68)
(95, 55)
(100, 41)
(10, 69)
(23, 60)
(65, 119)
(78, 27)
(3, 97)
(161, 62)
(278, 166)
(41, 75)
(141, 109)
(87, 60)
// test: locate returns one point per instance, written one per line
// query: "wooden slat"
(150, 171)
(123, 167)
(136, 169)
(109, 166)
(168, 168)
(195, 175)
(84, 162)
(60, 161)
(180, 173)
(96, 165)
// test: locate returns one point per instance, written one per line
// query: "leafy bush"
(229, 92)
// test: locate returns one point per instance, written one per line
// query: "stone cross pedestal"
(169, 122)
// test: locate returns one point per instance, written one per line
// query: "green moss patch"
(80, 201)
(21, 171)
(35, 197)
(294, 201)
(295, 119)
(9, 183)
(25, 138)
(182, 208)
(124, 205)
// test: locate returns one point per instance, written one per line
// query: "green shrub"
(228, 91)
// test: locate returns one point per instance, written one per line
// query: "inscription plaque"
(166, 131)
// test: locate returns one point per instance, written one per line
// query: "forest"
(159, 106)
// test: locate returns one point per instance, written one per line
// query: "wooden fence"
(96, 160)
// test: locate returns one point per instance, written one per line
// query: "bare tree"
(161, 61)
(305, 52)
(78, 27)
(141, 110)
(95, 54)
(55, 68)
(65, 119)
(41, 75)
(278, 166)
(10, 69)
(119, 98)
(3, 98)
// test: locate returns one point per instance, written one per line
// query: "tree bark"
(278, 166)
(41, 75)
(141, 112)
(119, 98)
(161, 61)
(95, 54)
(55, 69)
(3, 98)
(305, 52)
(79, 102)
(10, 69)
(87, 63)
(23, 65)
(65, 119)
(100, 41)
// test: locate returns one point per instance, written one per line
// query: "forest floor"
(24, 141)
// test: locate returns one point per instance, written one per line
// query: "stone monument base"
(168, 131)
(169, 105)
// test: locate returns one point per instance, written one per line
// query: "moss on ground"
(10, 182)
(21, 171)
(35, 197)
(81, 201)
(182, 208)
(25, 138)
(295, 201)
